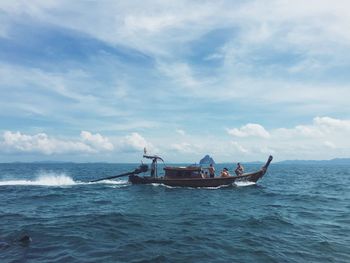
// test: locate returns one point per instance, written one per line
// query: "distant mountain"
(336, 161)
(207, 160)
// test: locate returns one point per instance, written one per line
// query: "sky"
(97, 81)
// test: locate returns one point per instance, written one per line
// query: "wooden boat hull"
(198, 182)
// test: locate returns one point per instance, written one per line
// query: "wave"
(56, 179)
(244, 183)
(44, 179)
(118, 182)
(112, 183)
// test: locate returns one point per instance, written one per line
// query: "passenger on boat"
(153, 167)
(211, 170)
(239, 170)
(225, 173)
(204, 174)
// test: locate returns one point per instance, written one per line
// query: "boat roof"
(182, 168)
(153, 157)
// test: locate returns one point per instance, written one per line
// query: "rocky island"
(207, 160)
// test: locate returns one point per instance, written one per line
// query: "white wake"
(44, 179)
(117, 182)
(244, 183)
(56, 179)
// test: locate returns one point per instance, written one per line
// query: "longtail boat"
(190, 176)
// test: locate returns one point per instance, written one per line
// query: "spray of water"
(44, 179)
(244, 183)
(55, 179)
(113, 182)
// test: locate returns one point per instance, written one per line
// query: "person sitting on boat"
(211, 170)
(225, 173)
(203, 174)
(239, 170)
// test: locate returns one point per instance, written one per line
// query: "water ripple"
(295, 214)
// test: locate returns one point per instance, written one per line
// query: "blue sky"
(239, 80)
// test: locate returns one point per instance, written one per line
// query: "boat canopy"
(182, 172)
(153, 157)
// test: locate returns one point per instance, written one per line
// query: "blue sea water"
(294, 214)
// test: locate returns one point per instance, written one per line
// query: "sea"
(295, 213)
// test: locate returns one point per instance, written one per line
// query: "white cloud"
(332, 124)
(181, 132)
(137, 24)
(41, 143)
(323, 138)
(151, 24)
(49, 88)
(128, 23)
(305, 32)
(181, 74)
(238, 147)
(96, 141)
(134, 142)
(88, 143)
(163, 27)
(264, 149)
(250, 129)
(322, 127)
(330, 144)
(44, 144)
(186, 148)
(35, 8)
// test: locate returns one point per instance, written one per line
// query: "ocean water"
(294, 214)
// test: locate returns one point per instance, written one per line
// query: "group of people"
(224, 173)
(238, 171)
(211, 171)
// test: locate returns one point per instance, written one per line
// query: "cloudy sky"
(239, 80)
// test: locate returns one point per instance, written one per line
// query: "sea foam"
(44, 179)
(118, 182)
(244, 183)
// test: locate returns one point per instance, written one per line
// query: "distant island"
(207, 160)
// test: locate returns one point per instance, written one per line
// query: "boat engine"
(141, 169)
